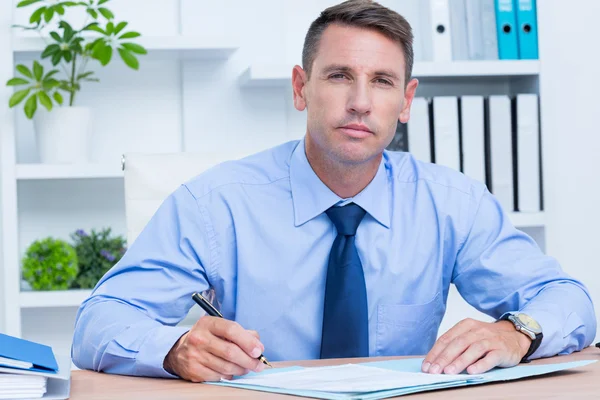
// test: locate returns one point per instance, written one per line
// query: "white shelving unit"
(13, 301)
(274, 75)
(84, 171)
(184, 47)
(59, 298)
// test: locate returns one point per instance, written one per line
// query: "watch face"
(529, 323)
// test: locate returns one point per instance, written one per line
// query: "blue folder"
(411, 365)
(506, 23)
(527, 29)
(41, 356)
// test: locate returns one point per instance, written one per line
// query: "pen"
(213, 312)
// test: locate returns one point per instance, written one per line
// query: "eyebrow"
(345, 68)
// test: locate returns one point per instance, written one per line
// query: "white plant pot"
(63, 134)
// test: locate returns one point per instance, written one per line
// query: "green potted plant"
(50, 264)
(63, 134)
(97, 252)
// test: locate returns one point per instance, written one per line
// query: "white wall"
(570, 88)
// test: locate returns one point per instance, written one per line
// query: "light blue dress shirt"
(255, 230)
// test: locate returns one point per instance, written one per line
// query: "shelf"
(527, 220)
(185, 47)
(58, 298)
(67, 171)
(273, 75)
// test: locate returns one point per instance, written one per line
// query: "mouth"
(357, 131)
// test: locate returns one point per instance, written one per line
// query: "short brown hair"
(363, 14)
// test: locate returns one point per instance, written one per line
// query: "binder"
(441, 31)
(481, 29)
(30, 364)
(506, 21)
(473, 137)
(446, 141)
(400, 139)
(528, 153)
(418, 128)
(458, 28)
(527, 29)
(501, 155)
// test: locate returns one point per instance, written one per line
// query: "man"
(331, 246)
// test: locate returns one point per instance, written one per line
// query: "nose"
(359, 101)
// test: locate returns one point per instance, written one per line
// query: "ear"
(409, 95)
(299, 80)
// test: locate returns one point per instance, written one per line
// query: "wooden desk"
(583, 382)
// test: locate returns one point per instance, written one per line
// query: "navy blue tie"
(345, 316)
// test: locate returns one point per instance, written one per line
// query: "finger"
(452, 351)
(444, 341)
(222, 366)
(471, 355)
(199, 373)
(231, 352)
(233, 332)
(491, 360)
(254, 333)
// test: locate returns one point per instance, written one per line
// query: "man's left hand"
(477, 347)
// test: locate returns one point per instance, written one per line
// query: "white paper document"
(349, 378)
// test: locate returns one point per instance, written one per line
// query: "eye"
(338, 76)
(384, 82)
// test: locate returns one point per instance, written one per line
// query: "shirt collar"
(311, 197)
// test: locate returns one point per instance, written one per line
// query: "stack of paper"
(13, 386)
(29, 370)
(376, 380)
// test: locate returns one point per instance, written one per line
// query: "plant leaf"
(58, 97)
(93, 13)
(120, 27)
(18, 97)
(49, 74)
(105, 54)
(25, 3)
(84, 75)
(110, 27)
(134, 48)
(38, 70)
(54, 35)
(17, 82)
(69, 3)
(106, 13)
(36, 17)
(94, 27)
(56, 58)
(102, 2)
(45, 100)
(50, 50)
(31, 106)
(67, 55)
(60, 9)
(24, 70)
(48, 14)
(129, 35)
(129, 59)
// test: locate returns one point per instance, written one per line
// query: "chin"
(354, 152)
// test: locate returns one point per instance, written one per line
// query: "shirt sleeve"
(501, 269)
(128, 325)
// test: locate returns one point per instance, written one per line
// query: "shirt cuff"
(553, 341)
(156, 346)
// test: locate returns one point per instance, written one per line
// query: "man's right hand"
(214, 348)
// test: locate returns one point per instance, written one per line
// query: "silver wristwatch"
(528, 326)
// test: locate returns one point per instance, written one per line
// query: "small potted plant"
(50, 264)
(97, 252)
(63, 134)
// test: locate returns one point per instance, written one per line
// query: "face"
(355, 95)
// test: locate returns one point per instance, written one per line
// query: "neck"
(344, 179)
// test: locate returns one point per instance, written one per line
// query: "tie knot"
(347, 218)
